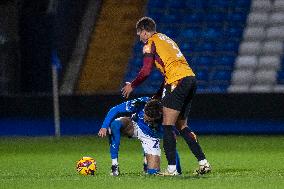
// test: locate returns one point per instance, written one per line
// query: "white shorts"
(150, 145)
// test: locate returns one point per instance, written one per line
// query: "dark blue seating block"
(280, 77)
(170, 32)
(186, 47)
(233, 32)
(218, 88)
(225, 62)
(241, 4)
(229, 45)
(207, 46)
(215, 17)
(193, 18)
(202, 74)
(156, 4)
(212, 33)
(191, 34)
(196, 4)
(203, 61)
(220, 75)
(219, 4)
(237, 17)
(170, 19)
(175, 4)
(202, 87)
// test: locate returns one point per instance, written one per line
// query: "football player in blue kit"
(144, 124)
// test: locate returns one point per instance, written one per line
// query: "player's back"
(170, 61)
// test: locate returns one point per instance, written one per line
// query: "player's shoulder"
(131, 105)
(147, 48)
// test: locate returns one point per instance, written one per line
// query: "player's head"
(145, 27)
(153, 111)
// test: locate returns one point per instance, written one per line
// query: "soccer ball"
(86, 166)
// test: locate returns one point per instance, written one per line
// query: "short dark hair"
(146, 23)
(153, 109)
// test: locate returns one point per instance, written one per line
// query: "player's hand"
(126, 90)
(102, 132)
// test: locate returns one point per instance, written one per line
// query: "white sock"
(172, 168)
(203, 162)
(114, 161)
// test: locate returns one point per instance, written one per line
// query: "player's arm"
(112, 113)
(148, 62)
(126, 107)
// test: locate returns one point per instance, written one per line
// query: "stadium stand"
(261, 49)
(208, 33)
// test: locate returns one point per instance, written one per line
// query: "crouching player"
(144, 124)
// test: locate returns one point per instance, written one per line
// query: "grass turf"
(237, 161)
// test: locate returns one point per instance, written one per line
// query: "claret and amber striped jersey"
(164, 53)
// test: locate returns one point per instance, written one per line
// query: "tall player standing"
(177, 94)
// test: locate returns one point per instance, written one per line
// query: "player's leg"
(173, 101)
(153, 163)
(191, 140)
(169, 139)
(152, 151)
(188, 135)
(116, 126)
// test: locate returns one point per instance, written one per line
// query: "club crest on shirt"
(147, 49)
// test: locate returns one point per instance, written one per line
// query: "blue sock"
(178, 163)
(115, 138)
(152, 171)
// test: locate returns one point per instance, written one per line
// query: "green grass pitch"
(46, 162)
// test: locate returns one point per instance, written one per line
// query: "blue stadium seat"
(217, 4)
(169, 19)
(191, 34)
(225, 62)
(220, 75)
(156, 4)
(194, 4)
(202, 88)
(206, 46)
(237, 17)
(187, 47)
(202, 74)
(218, 17)
(241, 4)
(228, 46)
(212, 34)
(175, 4)
(233, 32)
(280, 77)
(203, 61)
(218, 88)
(170, 32)
(194, 18)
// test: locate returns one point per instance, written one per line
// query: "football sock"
(178, 167)
(172, 168)
(203, 162)
(152, 171)
(114, 161)
(115, 138)
(169, 144)
(192, 143)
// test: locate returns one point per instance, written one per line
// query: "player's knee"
(153, 171)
